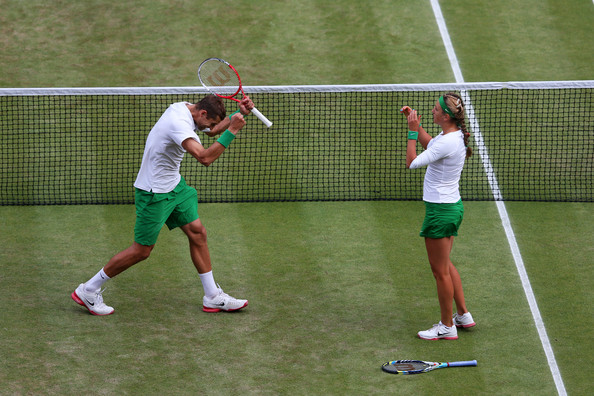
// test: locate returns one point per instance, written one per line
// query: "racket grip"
(463, 363)
(265, 120)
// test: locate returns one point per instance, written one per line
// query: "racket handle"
(265, 120)
(462, 364)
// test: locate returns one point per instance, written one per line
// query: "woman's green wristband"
(413, 135)
(226, 138)
(231, 115)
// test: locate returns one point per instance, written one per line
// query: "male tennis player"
(444, 157)
(162, 197)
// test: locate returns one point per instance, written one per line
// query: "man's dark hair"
(214, 107)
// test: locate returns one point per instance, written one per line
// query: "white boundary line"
(501, 206)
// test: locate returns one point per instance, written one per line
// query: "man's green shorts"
(442, 220)
(175, 209)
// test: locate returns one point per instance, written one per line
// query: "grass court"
(335, 288)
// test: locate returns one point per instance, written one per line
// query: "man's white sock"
(209, 285)
(95, 283)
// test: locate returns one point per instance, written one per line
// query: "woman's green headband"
(445, 108)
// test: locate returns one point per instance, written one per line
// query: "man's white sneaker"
(439, 332)
(92, 301)
(222, 302)
(464, 320)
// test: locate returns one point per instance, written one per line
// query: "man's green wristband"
(231, 115)
(413, 135)
(226, 138)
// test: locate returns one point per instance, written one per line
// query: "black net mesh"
(529, 145)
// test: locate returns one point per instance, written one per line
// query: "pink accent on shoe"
(77, 299)
(438, 338)
(206, 309)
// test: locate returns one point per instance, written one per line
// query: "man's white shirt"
(163, 152)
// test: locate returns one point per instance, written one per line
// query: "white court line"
(544, 339)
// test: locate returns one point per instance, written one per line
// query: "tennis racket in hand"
(419, 366)
(221, 79)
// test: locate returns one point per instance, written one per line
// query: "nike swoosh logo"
(90, 303)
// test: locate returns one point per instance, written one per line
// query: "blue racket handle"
(462, 364)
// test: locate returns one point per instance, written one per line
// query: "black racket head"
(405, 367)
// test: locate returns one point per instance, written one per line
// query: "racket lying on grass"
(420, 366)
(221, 79)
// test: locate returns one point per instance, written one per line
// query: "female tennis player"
(163, 197)
(444, 157)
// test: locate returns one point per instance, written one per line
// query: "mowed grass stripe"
(320, 334)
(557, 244)
(535, 42)
(371, 48)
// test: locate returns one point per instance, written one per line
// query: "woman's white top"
(444, 159)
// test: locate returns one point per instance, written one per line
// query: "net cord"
(300, 88)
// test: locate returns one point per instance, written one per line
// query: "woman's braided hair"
(456, 106)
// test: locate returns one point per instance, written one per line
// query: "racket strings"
(410, 366)
(406, 367)
(219, 77)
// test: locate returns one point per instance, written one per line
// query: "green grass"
(556, 242)
(532, 40)
(335, 289)
(161, 43)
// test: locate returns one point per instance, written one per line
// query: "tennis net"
(532, 141)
